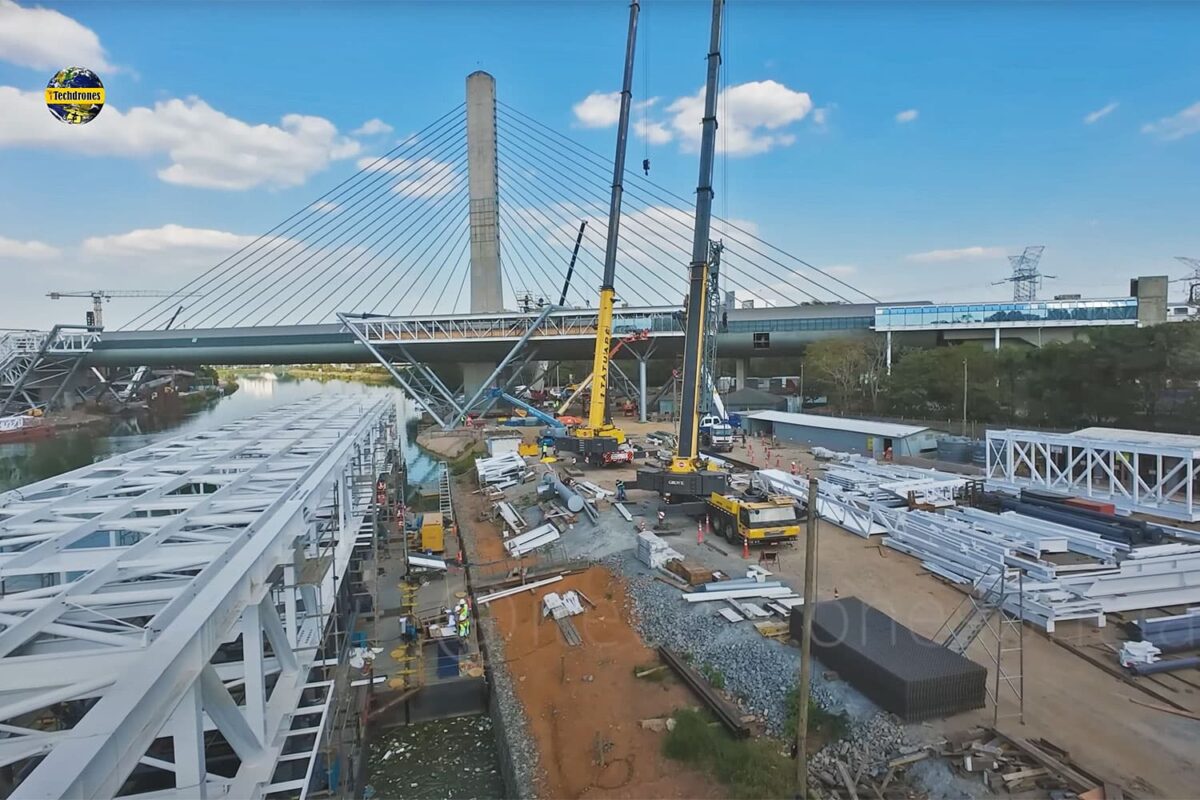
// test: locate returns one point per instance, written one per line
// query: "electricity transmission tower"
(1193, 280)
(1025, 277)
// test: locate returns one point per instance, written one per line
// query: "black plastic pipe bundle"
(1169, 634)
(1165, 666)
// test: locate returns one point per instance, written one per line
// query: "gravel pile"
(758, 672)
(869, 745)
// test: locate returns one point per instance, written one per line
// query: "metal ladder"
(1005, 639)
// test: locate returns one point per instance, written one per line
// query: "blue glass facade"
(799, 324)
(1045, 312)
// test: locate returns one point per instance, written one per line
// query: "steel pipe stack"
(569, 496)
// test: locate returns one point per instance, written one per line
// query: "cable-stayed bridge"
(476, 241)
(457, 245)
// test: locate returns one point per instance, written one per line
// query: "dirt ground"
(1067, 700)
(604, 752)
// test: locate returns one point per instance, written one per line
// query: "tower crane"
(688, 477)
(597, 439)
(100, 295)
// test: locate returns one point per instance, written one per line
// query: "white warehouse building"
(864, 436)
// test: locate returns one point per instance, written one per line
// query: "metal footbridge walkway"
(165, 615)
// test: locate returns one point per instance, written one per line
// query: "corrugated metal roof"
(870, 427)
(1152, 438)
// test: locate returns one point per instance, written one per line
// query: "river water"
(27, 462)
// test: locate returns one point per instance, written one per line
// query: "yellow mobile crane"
(598, 439)
(689, 479)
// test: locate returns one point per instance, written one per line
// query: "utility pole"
(801, 385)
(810, 601)
(964, 427)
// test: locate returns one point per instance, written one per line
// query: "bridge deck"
(121, 580)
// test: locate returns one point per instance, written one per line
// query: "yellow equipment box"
(433, 534)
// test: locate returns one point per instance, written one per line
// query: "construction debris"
(532, 540)
(1018, 765)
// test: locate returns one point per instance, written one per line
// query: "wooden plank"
(1077, 782)
(1177, 712)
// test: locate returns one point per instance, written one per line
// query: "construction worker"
(464, 619)
(621, 492)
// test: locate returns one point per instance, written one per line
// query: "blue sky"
(996, 152)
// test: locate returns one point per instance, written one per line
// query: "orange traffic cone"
(745, 547)
(699, 532)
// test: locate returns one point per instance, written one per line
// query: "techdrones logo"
(75, 95)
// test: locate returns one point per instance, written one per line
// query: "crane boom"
(598, 409)
(598, 435)
(686, 476)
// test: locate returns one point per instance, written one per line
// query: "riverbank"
(373, 376)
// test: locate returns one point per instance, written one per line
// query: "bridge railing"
(568, 323)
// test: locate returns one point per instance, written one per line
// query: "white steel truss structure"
(1151, 473)
(35, 367)
(577, 323)
(162, 612)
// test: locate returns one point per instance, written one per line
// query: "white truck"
(716, 434)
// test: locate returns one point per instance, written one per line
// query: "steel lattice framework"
(120, 582)
(1139, 471)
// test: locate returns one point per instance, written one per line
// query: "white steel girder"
(1153, 477)
(119, 581)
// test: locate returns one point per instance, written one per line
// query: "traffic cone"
(745, 547)
(707, 525)
(699, 533)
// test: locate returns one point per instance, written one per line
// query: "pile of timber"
(1018, 766)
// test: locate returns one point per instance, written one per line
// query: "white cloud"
(598, 109)
(419, 177)
(820, 116)
(170, 237)
(653, 132)
(41, 38)
(325, 206)
(960, 254)
(603, 109)
(750, 115)
(372, 127)
(1176, 126)
(26, 251)
(204, 147)
(908, 115)
(1099, 113)
(840, 270)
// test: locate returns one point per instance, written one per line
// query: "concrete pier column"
(641, 390)
(474, 376)
(996, 345)
(487, 291)
(889, 352)
(742, 365)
